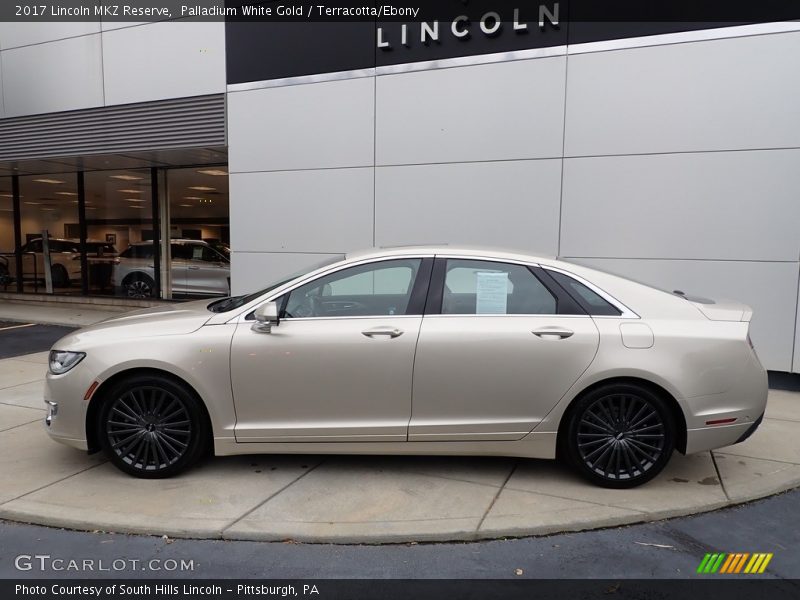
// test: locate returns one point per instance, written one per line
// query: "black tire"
(139, 286)
(60, 276)
(620, 435)
(152, 426)
(5, 276)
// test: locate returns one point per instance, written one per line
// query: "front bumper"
(66, 409)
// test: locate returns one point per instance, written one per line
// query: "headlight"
(62, 361)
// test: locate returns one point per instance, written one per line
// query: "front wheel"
(620, 435)
(139, 286)
(152, 427)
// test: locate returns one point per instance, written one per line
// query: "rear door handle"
(391, 332)
(553, 333)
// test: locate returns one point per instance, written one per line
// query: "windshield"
(234, 302)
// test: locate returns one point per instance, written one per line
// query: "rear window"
(590, 300)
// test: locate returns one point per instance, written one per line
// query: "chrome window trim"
(627, 313)
(309, 277)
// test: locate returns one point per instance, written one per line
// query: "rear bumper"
(711, 438)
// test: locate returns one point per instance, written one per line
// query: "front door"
(497, 356)
(339, 365)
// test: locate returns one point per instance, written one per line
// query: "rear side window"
(590, 300)
(473, 287)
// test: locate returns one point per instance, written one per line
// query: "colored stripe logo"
(741, 562)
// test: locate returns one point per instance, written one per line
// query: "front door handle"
(194, 268)
(391, 332)
(552, 333)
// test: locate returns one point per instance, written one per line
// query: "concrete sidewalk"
(362, 499)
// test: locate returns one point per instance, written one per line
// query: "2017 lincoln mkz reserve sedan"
(434, 350)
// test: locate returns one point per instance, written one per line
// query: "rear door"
(208, 272)
(497, 350)
(180, 254)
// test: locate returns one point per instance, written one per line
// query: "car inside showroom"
(481, 299)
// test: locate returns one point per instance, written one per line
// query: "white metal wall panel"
(769, 288)
(171, 59)
(253, 271)
(328, 210)
(796, 363)
(717, 205)
(508, 203)
(711, 95)
(52, 77)
(320, 125)
(498, 111)
(14, 34)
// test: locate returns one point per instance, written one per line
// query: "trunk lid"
(720, 310)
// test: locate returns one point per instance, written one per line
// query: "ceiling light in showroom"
(125, 177)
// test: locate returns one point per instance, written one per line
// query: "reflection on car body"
(197, 269)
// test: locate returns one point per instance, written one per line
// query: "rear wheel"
(60, 276)
(620, 435)
(152, 427)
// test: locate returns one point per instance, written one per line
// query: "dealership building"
(665, 152)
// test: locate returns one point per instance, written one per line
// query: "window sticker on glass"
(492, 293)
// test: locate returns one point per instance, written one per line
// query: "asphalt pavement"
(26, 338)
(662, 549)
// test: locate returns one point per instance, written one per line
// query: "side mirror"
(266, 316)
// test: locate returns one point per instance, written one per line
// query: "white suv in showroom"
(198, 269)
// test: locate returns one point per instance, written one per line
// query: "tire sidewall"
(571, 441)
(199, 424)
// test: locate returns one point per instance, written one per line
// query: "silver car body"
(488, 384)
(197, 268)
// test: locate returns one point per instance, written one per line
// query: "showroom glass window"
(119, 216)
(7, 257)
(199, 225)
(474, 287)
(49, 206)
(373, 289)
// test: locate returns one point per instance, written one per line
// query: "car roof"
(69, 240)
(446, 249)
(178, 240)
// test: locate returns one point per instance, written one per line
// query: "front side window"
(476, 287)
(374, 289)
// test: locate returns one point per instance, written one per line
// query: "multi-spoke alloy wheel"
(151, 427)
(139, 287)
(620, 436)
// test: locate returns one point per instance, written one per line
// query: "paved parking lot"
(362, 499)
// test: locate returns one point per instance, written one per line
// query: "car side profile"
(197, 269)
(418, 350)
